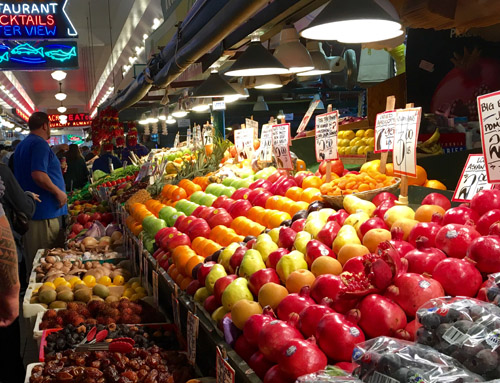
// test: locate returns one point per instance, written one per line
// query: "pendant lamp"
(291, 53)
(318, 56)
(260, 105)
(215, 86)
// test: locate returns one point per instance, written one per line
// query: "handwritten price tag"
(193, 323)
(281, 146)
(489, 117)
(188, 138)
(224, 372)
(326, 136)
(252, 124)
(208, 136)
(472, 180)
(307, 116)
(176, 312)
(385, 126)
(405, 141)
(243, 140)
(266, 144)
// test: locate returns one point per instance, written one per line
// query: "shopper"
(77, 174)
(37, 169)
(146, 141)
(93, 154)
(107, 161)
(133, 147)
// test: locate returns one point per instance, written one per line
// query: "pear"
(265, 246)
(301, 240)
(346, 235)
(217, 271)
(325, 213)
(397, 212)
(201, 294)
(316, 216)
(314, 226)
(218, 314)
(252, 261)
(234, 292)
(356, 220)
(289, 263)
(274, 234)
(226, 255)
(353, 204)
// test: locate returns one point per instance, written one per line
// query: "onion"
(90, 242)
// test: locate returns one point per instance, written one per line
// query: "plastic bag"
(490, 291)
(388, 360)
(330, 374)
(464, 328)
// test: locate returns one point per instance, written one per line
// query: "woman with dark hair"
(76, 175)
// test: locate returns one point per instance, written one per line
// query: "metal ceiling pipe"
(132, 94)
(235, 13)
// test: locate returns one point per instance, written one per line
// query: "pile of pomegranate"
(378, 294)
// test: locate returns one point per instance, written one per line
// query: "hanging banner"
(405, 141)
(472, 180)
(307, 116)
(243, 141)
(281, 146)
(266, 144)
(326, 131)
(385, 126)
(489, 118)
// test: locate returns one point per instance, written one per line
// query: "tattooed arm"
(9, 279)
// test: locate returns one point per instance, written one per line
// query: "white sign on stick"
(405, 141)
(488, 106)
(385, 126)
(326, 136)
(281, 146)
(266, 143)
(472, 180)
(243, 140)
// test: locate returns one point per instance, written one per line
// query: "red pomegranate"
(484, 252)
(337, 337)
(301, 357)
(244, 349)
(485, 201)
(454, 239)
(437, 199)
(260, 364)
(458, 277)
(486, 220)
(310, 317)
(274, 375)
(294, 303)
(461, 215)
(274, 336)
(426, 229)
(410, 291)
(254, 324)
(327, 286)
(378, 316)
(424, 258)
(397, 242)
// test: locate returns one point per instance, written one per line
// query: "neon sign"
(38, 55)
(74, 120)
(36, 19)
(23, 115)
(75, 139)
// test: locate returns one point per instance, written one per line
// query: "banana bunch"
(431, 146)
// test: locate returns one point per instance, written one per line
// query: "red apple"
(96, 217)
(250, 243)
(299, 177)
(315, 249)
(192, 287)
(179, 220)
(83, 218)
(260, 183)
(274, 257)
(240, 208)
(240, 194)
(217, 203)
(159, 253)
(286, 237)
(106, 218)
(205, 213)
(172, 241)
(88, 225)
(261, 199)
(328, 233)
(372, 223)
(237, 257)
(340, 216)
(379, 198)
(164, 232)
(437, 199)
(219, 217)
(298, 225)
(220, 285)
(198, 210)
(71, 235)
(260, 278)
(185, 223)
(227, 203)
(198, 228)
(203, 272)
(277, 174)
(254, 193)
(163, 262)
(210, 304)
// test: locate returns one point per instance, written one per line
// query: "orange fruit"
(374, 237)
(242, 310)
(170, 269)
(298, 279)
(326, 265)
(294, 193)
(185, 283)
(179, 279)
(351, 251)
(271, 294)
(406, 224)
(174, 273)
(435, 184)
(310, 195)
(254, 213)
(192, 263)
(424, 213)
(311, 182)
(421, 178)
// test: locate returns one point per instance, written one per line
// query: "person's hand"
(9, 307)
(36, 197)
(62, 198)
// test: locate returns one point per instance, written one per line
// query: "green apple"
(228, 181)
(182, 205)
(245, 173)
(301, 240)
(166, 212)
(207, 199)
(191, 207)
(171, 220)
(215, 189)
(228, 191)
(196, 197)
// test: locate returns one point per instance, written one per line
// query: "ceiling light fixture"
(179, 111)
(320, 105)
(144, 120)
(18, 129)
(256, 61)
(260, 105)
(242, 94)
(214, 86)
(145, 36)
(161, 114)
(291, 53)
(281, 115)
(201, 105)
(60, 96)
(58, 75)
(170, 120)
(359, 21)
(268, 82)
(62, 109)
(318, 56)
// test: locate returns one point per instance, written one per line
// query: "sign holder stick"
(403, 192)
(390, 105)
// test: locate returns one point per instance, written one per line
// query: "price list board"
(472, 180)
(281, 146)
(405, 141)
(489, 118)
(266, 144)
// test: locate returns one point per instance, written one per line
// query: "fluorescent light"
(60, 96)
(145, 36)
(18, 129)
(58, 75)
(362, 21)
(61, 109)
(138, 50)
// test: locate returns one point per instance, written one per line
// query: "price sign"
(192, 326)
(472, 180)
(489, 118)
(143, 172)
(208, 136)
(176, 141)
(405, 141)
(307, 116)
(326, 136)
(154, 279)
(224, 373)
(252, 124)
(385, 125)
(281, 146)
(188, 139)
(176, 312)
(219, 105)
(243, 140)
(266, 144)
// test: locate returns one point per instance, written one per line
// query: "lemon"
(135, 285)
(354, 150)
(58, 281)
(140, 290)
(105, 280)
(349, 134)
(128, 293)
(73, 281)
(360, 133)
(89, 280)
(346, 142)
(50, 284)
(370, 141)
(340, 134)
(118, 280)
(369, 133)
(362, 142)
(134, 297)
(362, 150)
(341, 151)
(354, 142)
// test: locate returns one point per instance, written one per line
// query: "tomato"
(108, 184)
(113, 183)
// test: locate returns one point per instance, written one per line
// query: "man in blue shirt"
(38, 170)
(106, 159)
